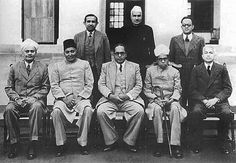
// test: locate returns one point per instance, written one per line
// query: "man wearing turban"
(27, 89)
(163, 90)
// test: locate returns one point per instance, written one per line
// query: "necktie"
(120, 67)
(186, 39)
(208, 70)
(90, 34)
(28, 69)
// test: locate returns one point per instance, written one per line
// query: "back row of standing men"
(84, 75)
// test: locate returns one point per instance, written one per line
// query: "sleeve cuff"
(128, 94)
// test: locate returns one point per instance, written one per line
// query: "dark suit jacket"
(202, 86)
(193, 58)
(102, 47)
(19, 84)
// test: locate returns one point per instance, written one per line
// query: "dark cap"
(69, 43)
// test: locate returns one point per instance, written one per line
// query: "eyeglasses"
(69, 51)
(121, 53)
(31, 51)
(186, 25)
(162, 59)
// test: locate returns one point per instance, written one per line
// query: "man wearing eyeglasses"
(162, 88)
(27, 89)
(186, 49)
(120, 83)
(93, 46)
(71, 85)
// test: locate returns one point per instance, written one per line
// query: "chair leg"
(232, 134)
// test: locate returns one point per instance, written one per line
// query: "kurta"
(72, 79)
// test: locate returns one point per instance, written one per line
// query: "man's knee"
(38, 106)
(100, 111)
(56, 112)
(88, 110)
(9, 108)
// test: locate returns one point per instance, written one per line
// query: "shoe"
(131, 148)
(110, 147)
(196, 150)
(59, 150)
(178, 152)
(84, 150)
(225, 148)
(31, 154)
(13, 151)
(158, 153)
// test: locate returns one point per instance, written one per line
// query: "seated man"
(210, 88)
(72, 84)
(167, 80)
(27, 88)
(120, 83)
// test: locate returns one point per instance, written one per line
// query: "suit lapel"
(97, 38)
(204, 73)
(112, 74)
(193, 43)
(180, 42)
(214, 74)
(127, 71)
(33, 71)
(23, 70)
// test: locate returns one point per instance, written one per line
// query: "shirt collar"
(123, 65)
(89, 33)
(30, 64)
(190, 36)
(207, 64)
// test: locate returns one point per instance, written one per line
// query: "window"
(202, 14)
(116, 15)
(40, 20)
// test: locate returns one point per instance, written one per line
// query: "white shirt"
(30, 64)
(207, 64)
(190, 36)
(88, 33)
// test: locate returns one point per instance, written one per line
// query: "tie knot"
(90, 34)
(209, 70)
(186, 39)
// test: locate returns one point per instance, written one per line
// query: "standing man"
(210, 88)
(120, 84)
(72, 84)
(186, 49)
(27, 89)
(93, 46)
(139, 41)
(167, 81)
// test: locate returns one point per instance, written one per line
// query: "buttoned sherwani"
(169, 80)
(188, 58)
(71, 79)
(133, 109)
(22, 85)
(205, 86)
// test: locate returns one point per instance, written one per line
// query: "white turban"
(161, 50)
(137, 9)
(28, 42)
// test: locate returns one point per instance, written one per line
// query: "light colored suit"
(169, 81)
(106, 110)
(22, 85)
(72, 80)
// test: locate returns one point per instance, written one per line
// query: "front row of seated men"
(120, 84)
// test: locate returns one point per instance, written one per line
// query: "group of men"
(87, 79)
